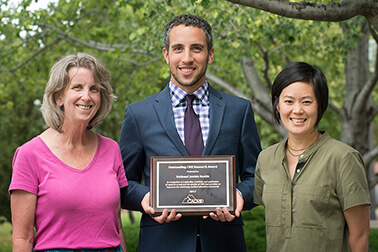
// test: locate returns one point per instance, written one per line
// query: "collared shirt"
(200, 107)
(307, 214)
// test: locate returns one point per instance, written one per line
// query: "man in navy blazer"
(154, 127)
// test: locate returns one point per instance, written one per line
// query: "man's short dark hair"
(189, 20)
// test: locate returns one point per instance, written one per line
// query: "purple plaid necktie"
(192, 129)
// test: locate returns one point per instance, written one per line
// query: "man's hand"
(225, 215)
(146, 204)
(164, 217)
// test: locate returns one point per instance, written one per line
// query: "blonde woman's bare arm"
(23, 206)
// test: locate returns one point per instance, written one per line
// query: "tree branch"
(265, 69)
(257, 107)
(370, 155)
(260, 92)
(372, 113)
(373, 33)
(227, 86)
(94, 45)
(277, 48)
(22, 43)
(332, 12)
(340, 112)
(35, 54)
(373, 181)
(364, 94)
(144, 63)
(262, 106)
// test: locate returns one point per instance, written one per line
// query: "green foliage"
(131, 230)
(128, 36)
(329, 124)
(373, 240)
(257, 213)
(5, 236)
(254, 229)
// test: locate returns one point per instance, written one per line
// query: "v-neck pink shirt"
(75, 208)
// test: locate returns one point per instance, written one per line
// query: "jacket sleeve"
(133, 157)
(249, 149)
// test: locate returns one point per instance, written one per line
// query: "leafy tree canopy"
(128, 36)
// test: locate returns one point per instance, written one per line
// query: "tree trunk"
(371, 176)
(354, 123)
(354, 114)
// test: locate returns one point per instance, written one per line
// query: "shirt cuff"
(239, 192)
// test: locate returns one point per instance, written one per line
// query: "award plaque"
(193, 185)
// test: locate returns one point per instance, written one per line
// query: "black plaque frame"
(193, 185)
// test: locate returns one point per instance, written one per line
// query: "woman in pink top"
(66, 181)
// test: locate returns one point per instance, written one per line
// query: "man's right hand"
(164, 217)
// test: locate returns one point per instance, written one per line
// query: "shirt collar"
(311, 150)
(177, 94)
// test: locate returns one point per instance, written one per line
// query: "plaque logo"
(190, 199)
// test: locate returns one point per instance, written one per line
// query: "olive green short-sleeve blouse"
(306, 214)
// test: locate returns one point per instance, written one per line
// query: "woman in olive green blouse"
(313, 187)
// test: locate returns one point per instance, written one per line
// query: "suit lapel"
(163, 109)
(217, 108)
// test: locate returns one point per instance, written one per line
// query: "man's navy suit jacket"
(148, 129)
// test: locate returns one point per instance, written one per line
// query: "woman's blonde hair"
(59, 79)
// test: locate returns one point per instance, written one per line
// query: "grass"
(5, 235)
(131, 230)
(254, 229)
(373, 240)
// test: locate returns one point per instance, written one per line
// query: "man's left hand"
(224, 215)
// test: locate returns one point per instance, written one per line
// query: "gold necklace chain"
(298, 149)
(289, 147)
(292, 153)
